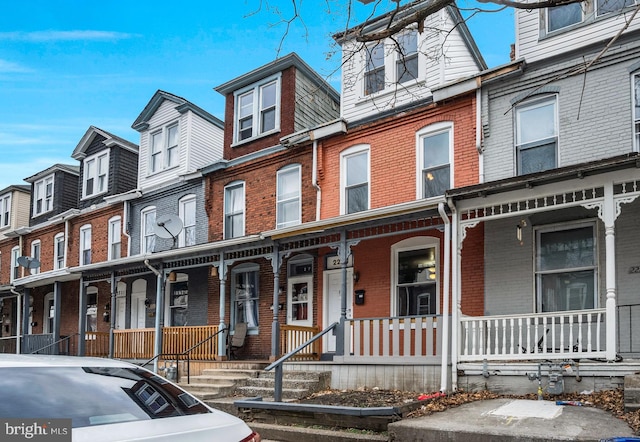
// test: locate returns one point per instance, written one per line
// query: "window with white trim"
(95, 174)
(15, 267)
(288, 194)
(608, 6)
(36, 247)
(434, 159)
(163, 148)
(407, 56)
(560, 17)
(354, 165)
(147, 227)
(85, 244)
(43, 196)
(92, 309)
(115, 238)
(187, 213)
(5, 207)
(257, 110)
(58, 251)
(234, 206)
(374, 68)
(537, 135)
(566, 267)
(245, 295)
(415, 277)
(636, 109)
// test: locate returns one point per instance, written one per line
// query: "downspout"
(314, 179)
(125, 223)
(479, 146)
(445, 308)
(455, 286)
(18, 318)
(66, 242)
(159, 312)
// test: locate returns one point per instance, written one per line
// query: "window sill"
(397, 88)
(93, 195)
(257, 137)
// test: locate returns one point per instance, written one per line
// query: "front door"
(332, 303)
(138, 309)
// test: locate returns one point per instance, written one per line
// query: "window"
(245, 295)
(85, 244)
(35, 255)
(96, 172)
(234, 210)
(163, 149)
(179, 301)
(92, 309)
(416, 276)
(187, 213)
(58, 251)
(15, 267)
(374, 69)
(5, 208)
(434, 151)
(148, 222)
(636, 109)
(566, 268)
(407, 61)
(115, 238)
(288, 197)
(536, 135)
(563, 16)
(355, 179)
(607, 6)
(257, 110)
(43, 195)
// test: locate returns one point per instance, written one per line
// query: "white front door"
(332, 303)
(121, 306)
(138, 309)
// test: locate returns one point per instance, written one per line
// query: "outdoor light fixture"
(172, 276)
(214, 271)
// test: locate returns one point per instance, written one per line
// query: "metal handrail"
(66, 338)
(186, 352)
(277, 394)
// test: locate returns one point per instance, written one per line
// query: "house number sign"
(634, 269)
(333, 262)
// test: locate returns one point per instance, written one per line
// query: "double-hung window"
(434, 152)
(115, 237)
(407, 61)
(608, 6)
(187, 213)
(85, 244)
(35, 255)
(636, 109)
(43, 195)
(416, 277)
(355, 179)
(58, 251)
(566, 268)
(234, 210)
(5, 210)
(374, 68)
(163, 148)
(560, 17)
(95, 174)
(537, 135)
(15, 266)
(288, 197)
(245, 296)
(257, 110)
(147, 227)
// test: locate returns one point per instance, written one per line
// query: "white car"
(105, 400)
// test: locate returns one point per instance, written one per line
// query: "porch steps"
(219, 382)
(295, 384)
(632, 392)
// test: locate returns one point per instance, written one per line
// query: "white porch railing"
(398, 339)
(557, 335)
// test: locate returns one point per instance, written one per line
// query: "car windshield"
(91, 395)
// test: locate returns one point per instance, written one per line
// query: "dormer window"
(391, 62)
(608, 6)
(163, 149)
(374, 74)
(95, 174)
(407, 57)
(43, 196)
(257, 110)
(563, 16)
(5, 210)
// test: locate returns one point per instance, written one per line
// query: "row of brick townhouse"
(445, 224)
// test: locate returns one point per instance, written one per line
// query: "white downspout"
(125, 223)
(66, 243)
(445, 308)
(19, 319)
(479, 146)
(314, 179)
(455, 298)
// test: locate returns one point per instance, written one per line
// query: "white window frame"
(284, 201)
(187, 211)
(254, 321)
(40, 193)
(5, 210)
(236, 213)
(256, 109)
(532, 144)
(147, 232)
(114, 238)
(351, 152)
(635, 93)
(599, 14)
(85, 244)
(162, 155)
(36, 253)
(59, 262)
(15, 267)
(372, 68)
(96, 168)
(421, 135)
(403, 59)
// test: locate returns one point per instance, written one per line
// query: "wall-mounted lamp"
(173, 276)
(356, 276)
(214, 271)
(147, 302)
(519, 228)
(280, 306)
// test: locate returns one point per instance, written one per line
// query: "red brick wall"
(472, 290)
(99, 221)
(5, 259)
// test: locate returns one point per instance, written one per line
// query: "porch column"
(26, 314)
(343, 253)
(82, 317)
(112, 310)
(456, 308)
(222, 337)
(275, 325)
(161, 277)
(57, 310)
(610, 214)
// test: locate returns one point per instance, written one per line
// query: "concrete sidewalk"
(499, 420)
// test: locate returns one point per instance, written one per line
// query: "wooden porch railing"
(400, 338)
(291, 336)
(556, 335)
(139, 343)
(97, 344)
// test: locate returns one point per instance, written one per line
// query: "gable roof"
(182, 105)
(110, 140)
(66, 168)
(16, 187)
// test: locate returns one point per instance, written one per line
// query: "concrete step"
(228, 372)
(287, 393)
(284, 433)
(307, 384)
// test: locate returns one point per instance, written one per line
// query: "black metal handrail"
(66, 338)
(277, 394)
(187, 352)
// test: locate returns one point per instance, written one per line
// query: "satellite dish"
(168, 226)
(28, 262)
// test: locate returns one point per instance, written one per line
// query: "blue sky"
(66, 65)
